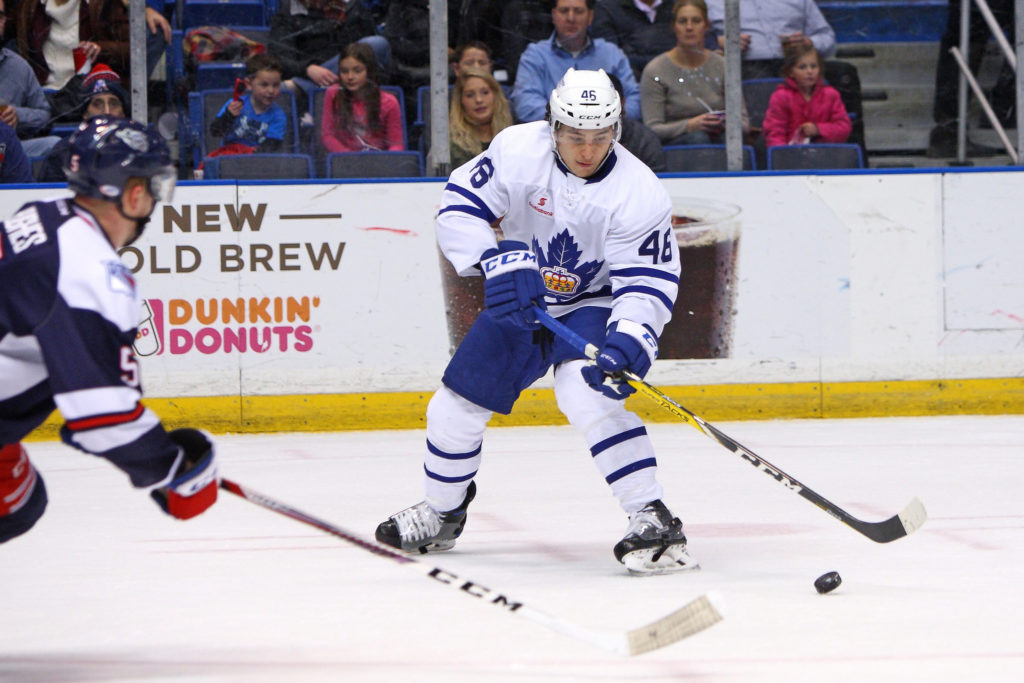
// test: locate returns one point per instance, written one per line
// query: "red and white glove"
(193, 488)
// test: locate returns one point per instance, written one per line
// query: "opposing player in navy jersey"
(68, 315)
(586, 235)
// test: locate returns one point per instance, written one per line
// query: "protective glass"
(161, 184)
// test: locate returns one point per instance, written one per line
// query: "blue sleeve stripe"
(650, 291)
(630, 469)
(615, 440)
(453, 456)
(471, 210)
(488, 214)
(449, 480)
(640, 271)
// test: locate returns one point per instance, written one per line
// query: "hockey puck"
(826, 583)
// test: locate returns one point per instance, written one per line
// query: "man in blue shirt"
(570, 46)
(14, 165)
(766, 27)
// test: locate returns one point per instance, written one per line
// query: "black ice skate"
(422, 529)
(654, 542)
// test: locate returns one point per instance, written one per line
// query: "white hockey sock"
(455, 429)
(617, 438)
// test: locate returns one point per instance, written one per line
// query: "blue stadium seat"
(223, 13)
(407, 164)
(756, 93)
(819, 156)
(259, 166)
(218, 75)
(703, 158)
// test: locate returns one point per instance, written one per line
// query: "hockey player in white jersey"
(587, 235)
(68, 316)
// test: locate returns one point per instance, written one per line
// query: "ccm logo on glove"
(509, 261)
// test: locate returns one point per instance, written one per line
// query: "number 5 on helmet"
(193, 487)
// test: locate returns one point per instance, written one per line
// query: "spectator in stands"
(306, 35)
(253, 122)
(479, 110)
(942, 141)
(158, 35)
(803, 109)
(640, 27)
(48, 32)
(103, 96)
(357, 115)
(29, 113)
(14, 165)
(767, 28)
(570, 45)
(407, 30)
(475, 54)
(481, 21)
(683, 90)
(638, 138)
(521, 22)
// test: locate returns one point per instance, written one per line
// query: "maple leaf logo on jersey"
(564, 275)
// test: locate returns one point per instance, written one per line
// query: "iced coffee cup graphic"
(147, 339)
(708, 235)
(463, 297)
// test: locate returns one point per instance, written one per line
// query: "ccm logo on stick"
(474, 589)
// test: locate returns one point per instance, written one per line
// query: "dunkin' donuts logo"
(226, 325)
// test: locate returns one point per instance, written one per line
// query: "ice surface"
(105, 588)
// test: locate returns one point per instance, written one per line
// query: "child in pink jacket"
(357, 115)
(803, 109)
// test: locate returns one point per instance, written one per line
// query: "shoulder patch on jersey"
(119, 278)
(24, 229)
(560, 267)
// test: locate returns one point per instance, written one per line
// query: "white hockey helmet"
(586, 100)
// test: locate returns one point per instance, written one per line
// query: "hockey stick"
(691, 618)
(907, 521)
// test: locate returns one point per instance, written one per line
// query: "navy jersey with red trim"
(68, 316)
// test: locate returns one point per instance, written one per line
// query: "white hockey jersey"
(68, 316)
(606, 240)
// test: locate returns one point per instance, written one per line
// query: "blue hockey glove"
(193, 488)
(514, 285)
(628, 346)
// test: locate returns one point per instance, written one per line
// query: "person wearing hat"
(102, 95)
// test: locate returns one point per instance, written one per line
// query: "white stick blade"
(913, 516)
(689, 619)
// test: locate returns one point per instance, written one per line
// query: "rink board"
(320, 305)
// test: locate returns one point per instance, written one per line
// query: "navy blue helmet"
(106, 152)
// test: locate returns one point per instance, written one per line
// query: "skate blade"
(672, 561)
(438, 547)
